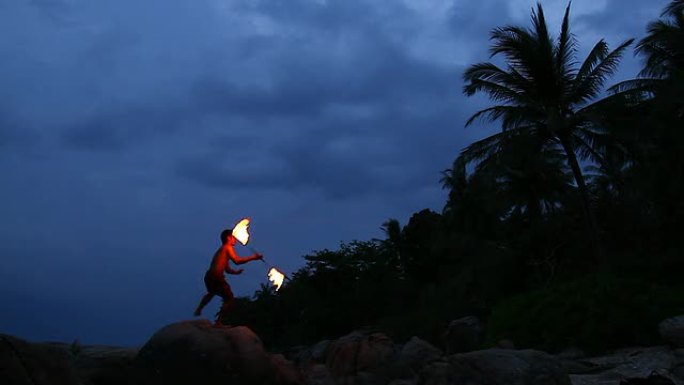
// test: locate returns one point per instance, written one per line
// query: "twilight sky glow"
(132, 132)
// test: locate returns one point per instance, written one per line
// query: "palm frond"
(511, 116)
(674, 8)
(541, 31)
(518, 46)
(483, 148)
(495, 91)
(490, 145)
(489, 71)
(596, 54)
(566, 47)
(588, 145)
(638, 84)
(590, 82)
(455, 178)
(663, 47)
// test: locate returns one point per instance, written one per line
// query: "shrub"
(596, 313)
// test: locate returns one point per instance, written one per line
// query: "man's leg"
(226, 306)
(205, 300)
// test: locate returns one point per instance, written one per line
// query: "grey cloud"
(124, 127)
(624, 18)
(303, 87)
(16, 132)
(344, 158)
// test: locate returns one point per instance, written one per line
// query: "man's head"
(227, 237)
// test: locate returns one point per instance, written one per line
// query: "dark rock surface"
(195, 352)
(672, 331)
(507, 367)
(22, 363)
(463, 335)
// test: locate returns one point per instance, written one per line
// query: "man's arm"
(240, 260)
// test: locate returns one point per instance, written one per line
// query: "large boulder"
(318, 374)
(360, 355)
(678, 366)
(319, 352)
(497, 367)
(312, 355)
(196, 352)
(672, 331)
(417, 353)
(633, 365)
(463, 335)
(653, 379)
(97, 364)
(22, 363)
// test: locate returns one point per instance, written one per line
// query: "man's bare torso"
(220, 261)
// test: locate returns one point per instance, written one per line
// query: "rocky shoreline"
(195, 352)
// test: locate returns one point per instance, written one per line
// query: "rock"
(678, 371)
(195, 352)
(678, 367)
(286, 371)
(672, 331)
(306, 356)
(633, 364)
(318, 374)
(105, 365)
(571, 354)
(300, 355)
(507, 367)
(437, 373)
(463, 335)
(319, 352)
(403, 382)
(653, 379)
(22, 363)
(569, 358)
(358, 352)
(505, 344)
(416, 353)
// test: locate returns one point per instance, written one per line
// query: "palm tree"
(544, 94)
(393, 243)
(663, 72)
(663, 47)
(528, 178)
(531, 180)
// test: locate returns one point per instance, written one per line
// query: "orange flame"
(276, 277)
(241, 231)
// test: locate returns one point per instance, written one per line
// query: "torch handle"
(256, 252)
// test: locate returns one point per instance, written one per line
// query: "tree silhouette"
(543, 94)
(392, 244)
(663, 47)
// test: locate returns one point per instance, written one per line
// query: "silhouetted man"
(214, 279)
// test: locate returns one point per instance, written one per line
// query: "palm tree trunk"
(584, 195)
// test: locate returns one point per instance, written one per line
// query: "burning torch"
(274, 275)
(241, 233)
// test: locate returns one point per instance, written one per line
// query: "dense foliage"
(562, 229)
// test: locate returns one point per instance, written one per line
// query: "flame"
(240, 231)
(276, 277)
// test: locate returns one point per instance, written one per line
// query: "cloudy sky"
(132, 132)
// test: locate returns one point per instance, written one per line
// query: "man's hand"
(238, 271)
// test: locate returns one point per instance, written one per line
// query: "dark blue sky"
(132, 132)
